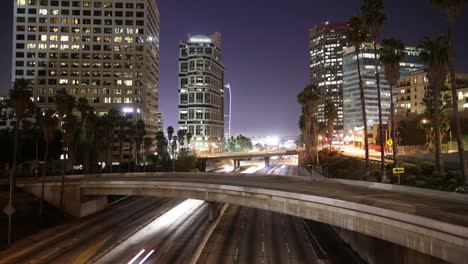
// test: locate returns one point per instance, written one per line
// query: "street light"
(228, 86)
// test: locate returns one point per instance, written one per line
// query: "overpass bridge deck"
(453, 212)
(435, 225)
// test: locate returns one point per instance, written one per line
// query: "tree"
(170, 133)
(181, 136)
(147, 143)
(373, 17)
(356, 35)
(434, 53)
(90, 131)
(20, 95)
(64, 103)
(70, 126)
(140, 133)
(239, 144)
(85, 110)
(189, 138)
(111, 119)
(452, 9)
(330, 112)
(392, 54)
(308, 99)
(122, 136)
(161, 148)
(49, 124)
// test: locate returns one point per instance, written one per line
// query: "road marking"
(88, 253)
(135, 257)
(146, 257)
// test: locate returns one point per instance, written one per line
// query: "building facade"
(201, 92)
(327, 44)
(160, 122)
(412, 90)
(352, 101)
(106, 51)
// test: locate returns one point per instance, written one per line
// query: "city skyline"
(265, 86)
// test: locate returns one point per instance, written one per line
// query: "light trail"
(146, 257)
(135, 257)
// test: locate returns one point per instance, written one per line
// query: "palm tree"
(308, 99)
(356, 35)
(102, 139)
(70, 126)
(392, 54)
(373, 16)
(85, 109)
(64, 103)
(452, 9)
(90, 130)
(330, 112)
(20, 95)
(140, 133)
(122, 136)
(181, 136)
(434, 53)
(147, 143)
(189, 138)
(49, 124)
(112, 117)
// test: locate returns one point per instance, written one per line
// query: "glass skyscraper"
(352, 100)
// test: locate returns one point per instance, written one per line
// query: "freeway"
(171, 238)
(78, 241)
(247, 235)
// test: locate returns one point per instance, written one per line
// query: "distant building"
(327, 44)
(201, 92)
(412, 89)
(352, 100)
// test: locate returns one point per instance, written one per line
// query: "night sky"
(264, 49)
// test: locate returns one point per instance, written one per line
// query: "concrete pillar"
(267, 161)
(75, 203)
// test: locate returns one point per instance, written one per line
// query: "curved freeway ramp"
(431, 224)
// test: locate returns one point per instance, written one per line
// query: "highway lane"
(80, 240)
(246, 235)
(171, 238)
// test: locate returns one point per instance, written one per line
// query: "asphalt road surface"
(246, 235)
(79, 241)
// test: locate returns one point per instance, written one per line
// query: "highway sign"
(9, 211)
(390, 142)
(398, 170)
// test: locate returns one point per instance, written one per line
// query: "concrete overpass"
(207, 161)
(431, 222)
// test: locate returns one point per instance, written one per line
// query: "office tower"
(201, 92)
(352, 100)
(106, 51)
(327, 43)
